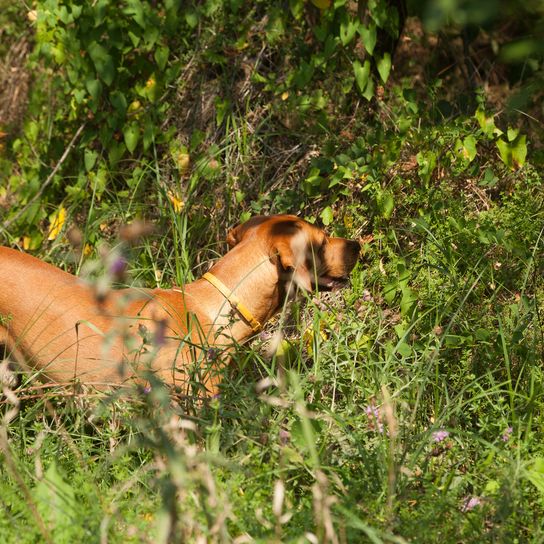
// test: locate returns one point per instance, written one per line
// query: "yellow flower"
(310, 333)
(176, 202)
(57, 220)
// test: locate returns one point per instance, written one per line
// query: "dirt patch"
(14, 86)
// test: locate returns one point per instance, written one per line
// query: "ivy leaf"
(512, 133)
(95, 88)
(103, 62)
(191, 18)
(131, 134)
(505, 152)
(384, 67)
(115, 152)
(487, 124)
(368, 35)
(89, 157)
(161, 56)
(119, 102)
(369, 91)
(348, 28)
(513, 154)
(519, 151)
(135, 8)
(361, 74)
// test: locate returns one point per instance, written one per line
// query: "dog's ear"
(293, 260)
(236, 234)
(233, 236)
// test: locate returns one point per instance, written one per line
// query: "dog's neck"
(249, 273)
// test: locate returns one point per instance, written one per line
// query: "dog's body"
(54, 323)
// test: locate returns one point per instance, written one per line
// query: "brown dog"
(53, 322)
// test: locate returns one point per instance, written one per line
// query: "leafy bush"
(405, 408)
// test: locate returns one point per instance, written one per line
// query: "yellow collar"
(234, 301)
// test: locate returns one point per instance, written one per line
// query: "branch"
(47, 181)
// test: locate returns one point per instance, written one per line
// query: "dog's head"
(303, 252)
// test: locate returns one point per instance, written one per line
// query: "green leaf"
(519, 151)
(149, 134)
(386, 204)
(492, 487)
(384, 67)
(369, 91)
(453, 340)
(348, 28)
(404, 349)
(102, 61)
(513, 154)
(512, 133)
(297, 8)
(487, 124)
(407, 301)
(161, 56)
(222, 107)
(469, 147)
(427, 163)
(535, 474)
(191, 17)
(115, 152)
(303, 74)
(135, 39)
(95, 88)
(119, 102)
(55, 500)
(505, 152)
(89, 158)
(327, 216)
(361, 74)
(390, 291)
(136, 9)
(368, 35)
(131, 135)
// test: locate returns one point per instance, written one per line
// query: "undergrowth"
(407, 408)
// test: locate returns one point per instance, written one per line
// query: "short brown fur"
(52, 322)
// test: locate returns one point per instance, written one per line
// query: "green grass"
(406, 408)
(341, 441)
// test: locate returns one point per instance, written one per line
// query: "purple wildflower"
(506, 434)
(265, 336)
(440, 435)
(118, 267)
(147, 389)
(470, 503)
(374, 418)
(212, 354)
(284, 436)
